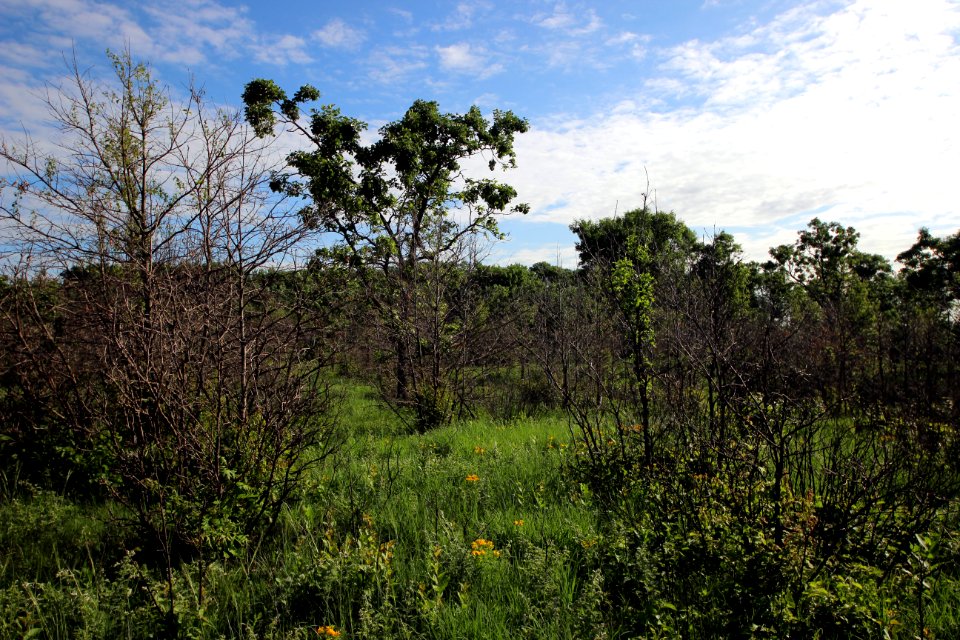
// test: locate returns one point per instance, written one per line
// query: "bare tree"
(178, 378)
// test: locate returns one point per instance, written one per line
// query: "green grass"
(432, 496)
(380, 545)
(474, 530)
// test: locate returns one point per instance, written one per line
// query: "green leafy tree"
(667, 240)
(827, 265)
(713, 304)
(929, 344)
(931, 268)
(402, 207)
(628, 263)
(631, 283)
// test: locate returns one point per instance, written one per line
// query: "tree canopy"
(391, 201)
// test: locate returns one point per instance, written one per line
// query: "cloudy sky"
(751, 116)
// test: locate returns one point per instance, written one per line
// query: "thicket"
(668, 441)
(770, 454)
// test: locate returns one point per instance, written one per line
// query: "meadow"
(479, 529)
(238, 401)
(470, 531)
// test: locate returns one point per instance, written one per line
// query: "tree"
(401, 210)
(666, 239)
(632, 257)
(932, 268)
(826, 263)
(930, 333)
(177, 379)
(713, 304)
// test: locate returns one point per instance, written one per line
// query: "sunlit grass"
(477, 529)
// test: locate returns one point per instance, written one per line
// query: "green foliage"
(932, 268)
(744, 451)
(724, 552)
(423, 152)
(662, 235)
(383, 546)
(845, 287)
(392, 205)
(158, 373)
(433, 407)
(632, 285)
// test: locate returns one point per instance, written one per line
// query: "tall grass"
(470, 531)
(479, 529)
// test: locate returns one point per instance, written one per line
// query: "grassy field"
(469, 531)
(479, 529)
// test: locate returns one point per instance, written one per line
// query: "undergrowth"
(482, 529)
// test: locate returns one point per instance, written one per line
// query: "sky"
(749, 116)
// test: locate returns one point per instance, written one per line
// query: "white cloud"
(577, 38)
(193, 30)
(187, 32)
(390, 65)
(561, 255)
(559, 19)
(592, 25)
(853, 112)
(339, 35)
(82, 20)
(570, 21)
(624, 37)
(462, 17)
(282, 50)
(464, 58)
(634, 44)
(22, 109)
(403, 13)
(488, 101)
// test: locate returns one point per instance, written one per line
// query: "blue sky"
(747, 115)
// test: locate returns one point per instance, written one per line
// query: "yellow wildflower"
(480, 547)
(518, 523)
(479, 450)
(328, 631)
(472, 477)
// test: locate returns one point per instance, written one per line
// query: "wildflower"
(480, 547)
(328, 632)
(479, 450)
(472, 477)
(518, 523)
